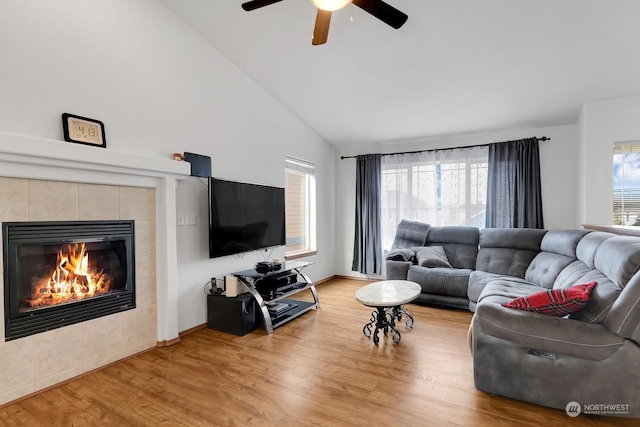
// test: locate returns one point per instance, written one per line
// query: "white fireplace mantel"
(38, 158)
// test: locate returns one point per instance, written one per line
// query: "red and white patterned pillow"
(556, 302)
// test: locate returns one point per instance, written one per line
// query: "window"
(626, 183)
(446, 187)
(300, 196)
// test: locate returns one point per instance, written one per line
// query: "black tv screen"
(244, 217)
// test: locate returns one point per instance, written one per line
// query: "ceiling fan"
(381, 10)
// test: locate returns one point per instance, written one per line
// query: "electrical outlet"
(180, 219)
(191, 219)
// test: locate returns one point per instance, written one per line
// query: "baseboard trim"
(343, 277)
(167, 343)
(324, 280)
(192, 330)
(362, 279)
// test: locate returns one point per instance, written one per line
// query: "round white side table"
(388, 298)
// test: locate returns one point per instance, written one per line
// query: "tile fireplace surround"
(39, 182)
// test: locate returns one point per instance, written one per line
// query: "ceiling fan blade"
(256, 4)
(384, 12)
(321, 30)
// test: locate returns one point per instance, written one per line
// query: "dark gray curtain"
(367, 246)
(514, 194)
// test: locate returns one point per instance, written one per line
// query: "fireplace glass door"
(51, 275)
(60, 273)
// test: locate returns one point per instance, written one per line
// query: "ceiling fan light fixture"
(330, 5)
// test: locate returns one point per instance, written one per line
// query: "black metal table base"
(385, 318)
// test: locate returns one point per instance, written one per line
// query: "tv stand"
(272, 290)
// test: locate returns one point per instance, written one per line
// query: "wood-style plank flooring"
(318, 370)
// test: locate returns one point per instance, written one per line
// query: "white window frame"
(307, 169)
(626, 200)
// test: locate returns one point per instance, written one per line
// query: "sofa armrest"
(556, 335)
(397, 270)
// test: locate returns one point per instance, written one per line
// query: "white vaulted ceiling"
(455, 67)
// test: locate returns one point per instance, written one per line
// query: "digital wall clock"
(83, 130)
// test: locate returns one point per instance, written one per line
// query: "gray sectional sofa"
(440, 285)
(591, 357)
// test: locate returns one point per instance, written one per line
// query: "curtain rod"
(544, 138)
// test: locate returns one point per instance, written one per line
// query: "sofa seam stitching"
(627, 316)
(548, 339)
(604, 310)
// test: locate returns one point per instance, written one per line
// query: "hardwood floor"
(316, 370)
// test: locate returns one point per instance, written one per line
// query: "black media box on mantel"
(233, 315)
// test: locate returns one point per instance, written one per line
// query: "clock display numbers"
(87, 132)
(83, 130)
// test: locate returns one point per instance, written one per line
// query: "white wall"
(559, 169)
(603, 123)
(159, 88)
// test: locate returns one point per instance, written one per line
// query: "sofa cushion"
(503, 289)
(588, 246)
(441, 281)
(460, 243)
(571, 275)
(477, 282)
(432, 256)
(602, 298)
(546, 267)
(410, 233)
(457, 234)
(528, 239)
(555, 302)
(563, 241)
(508, 251)
(618, 258)
(558, 251)
(505, 261)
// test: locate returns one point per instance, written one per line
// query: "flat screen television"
(244, 217)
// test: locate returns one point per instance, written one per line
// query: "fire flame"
(71, 280)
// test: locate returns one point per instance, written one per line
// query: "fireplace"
(61, 273)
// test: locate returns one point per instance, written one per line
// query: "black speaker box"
(233, 315)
